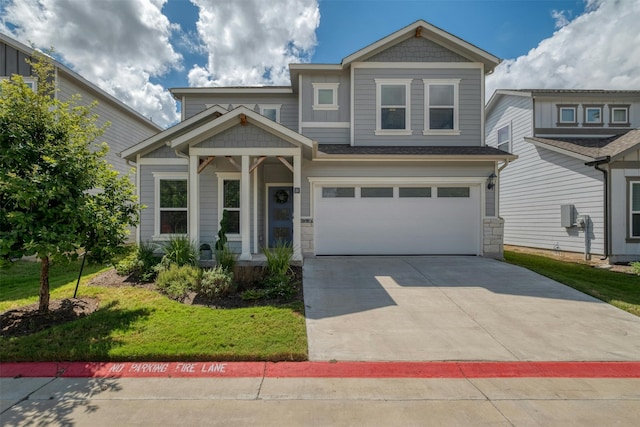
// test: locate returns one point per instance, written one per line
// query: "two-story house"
(126, 125)
(382, 153)
(576, 183)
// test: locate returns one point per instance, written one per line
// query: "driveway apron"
(455, 308)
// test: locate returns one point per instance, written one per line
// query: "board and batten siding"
(469, 105)
(194, 104)
(13, 61)
(546, 110)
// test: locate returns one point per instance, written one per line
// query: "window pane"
(325, 96)
(567, 115)
(330, 192)
(441, 118)
(172, 222)
(593, 115)
(503, 135)
(453, 191)
(173, 193)
(376, 192)
(635, 197)
(393, 95)
(392, 118)
(440, 94)
(415, 191)
(233, 222)
(231, 194)
(635, 225)
(620, 115)
(270, 113)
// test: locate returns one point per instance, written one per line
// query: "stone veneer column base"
(306, 237)
(493, 237)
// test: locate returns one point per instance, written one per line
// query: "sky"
(137, 50)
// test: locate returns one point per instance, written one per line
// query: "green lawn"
(618, 289)
(134, 324)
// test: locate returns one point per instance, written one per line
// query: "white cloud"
(118, 46)
(598, 50)
(250, 44)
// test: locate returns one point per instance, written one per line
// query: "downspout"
(597, 162)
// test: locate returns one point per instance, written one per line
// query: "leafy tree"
(58, 195)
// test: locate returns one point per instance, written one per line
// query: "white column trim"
(255, 211)
(297, 207)
(245, 210)
(194, 201)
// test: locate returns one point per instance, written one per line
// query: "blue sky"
(137, 49)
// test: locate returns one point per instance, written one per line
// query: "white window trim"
(166, 176)
(399, 82)
(326, 107)
(509, 138)
(227, 176)
(456, 107)
(27, 80)
(613, 110)
(271, 107)
(575, 115)
(586, 115)
(631, 212)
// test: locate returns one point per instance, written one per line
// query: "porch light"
(491, 181)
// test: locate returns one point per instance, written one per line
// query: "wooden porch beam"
(256, 163)
(285, 162)
(206, 163)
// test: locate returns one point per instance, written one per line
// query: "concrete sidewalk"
(455, 308)
(319, 401)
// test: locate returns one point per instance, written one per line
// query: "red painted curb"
(323, 369)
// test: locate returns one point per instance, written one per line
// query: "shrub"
(226, 259)
(253, 294)
(635, 267)
(279, 287)
(140, 263)
(176, 281)
(279, 259)
(179, 251)
(216, 282)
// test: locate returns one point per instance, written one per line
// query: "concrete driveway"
(455, 308)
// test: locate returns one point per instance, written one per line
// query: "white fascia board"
(418, 65)
(560, 150)
(316, 67)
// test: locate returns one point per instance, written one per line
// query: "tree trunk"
(44, 285)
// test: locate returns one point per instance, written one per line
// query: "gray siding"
(328, 135)
(533, 187)
(13, 61)
(162, 152)
(194, 104)
(621, 249)
(344, 95)
(244, 136)
(546, 110)
(417, 49)
(470, 107)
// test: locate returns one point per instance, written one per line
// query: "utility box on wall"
(567, 216)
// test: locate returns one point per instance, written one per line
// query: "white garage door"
(397, 220)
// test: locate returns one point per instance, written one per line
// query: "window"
(634, 209)
(393, 110)
(271, 111)
(325, 96)
(619, 115)
(334, 192)
(453, 191)
(592, 115)
(229, 201)
(504, 138)
(441, 106)
(414, 192)
(368, 192)
(29, 81)
(567, 115)
(171, 203)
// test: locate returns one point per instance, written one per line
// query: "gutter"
(595, 163)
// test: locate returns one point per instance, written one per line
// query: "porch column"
(297, 207)
(245, 210)
(194, 201)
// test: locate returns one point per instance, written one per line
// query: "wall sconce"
(491, 181)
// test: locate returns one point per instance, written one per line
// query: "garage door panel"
(375, 226)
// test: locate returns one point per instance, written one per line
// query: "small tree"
(57, 193)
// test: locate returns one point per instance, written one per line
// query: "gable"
(244, 136)
(13, 61)
(417, 49)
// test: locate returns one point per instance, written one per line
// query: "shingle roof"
(569, 91)
(400, 150)
(595, 147)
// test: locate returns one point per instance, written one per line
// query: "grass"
(135, 324)
(618, 289)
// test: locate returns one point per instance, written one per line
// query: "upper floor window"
(441, 106)
(393, 106)
(593, 115)
(325, 96)
(619, 115)
(29, 81)
(504, 138)
(271, 111)
(567, 115)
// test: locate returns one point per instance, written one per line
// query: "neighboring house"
(127, 126)
(578, 162)
(383, 153)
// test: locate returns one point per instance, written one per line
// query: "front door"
(280, 215)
